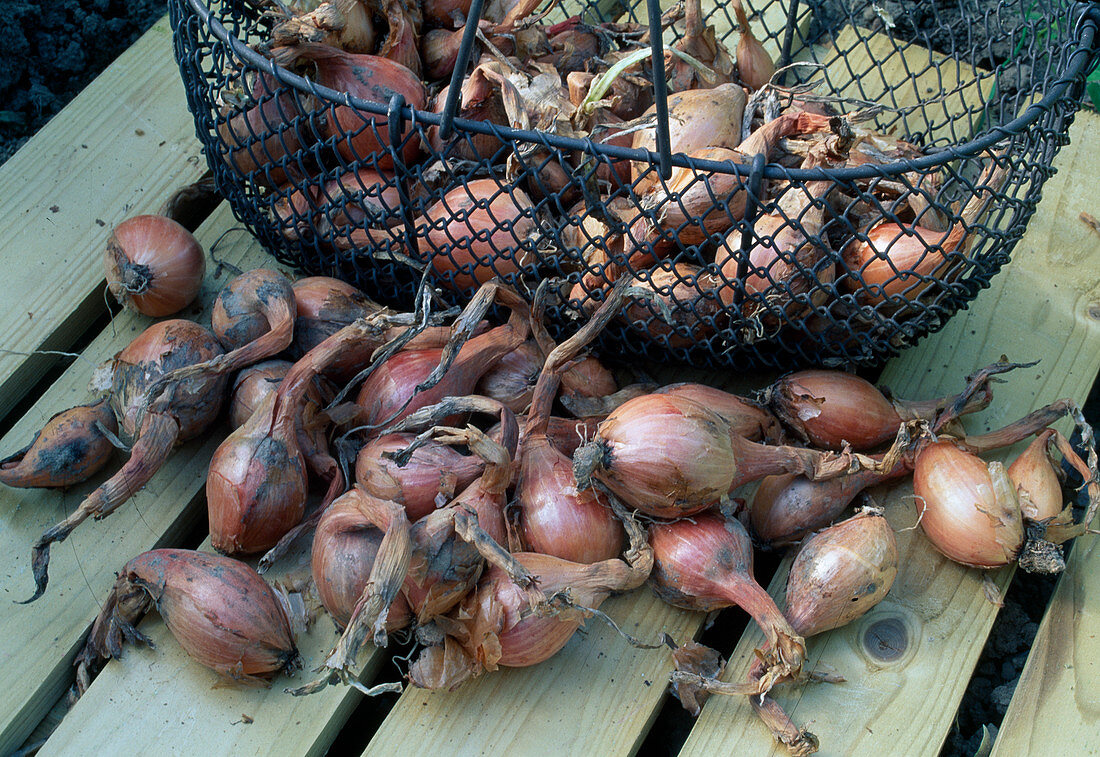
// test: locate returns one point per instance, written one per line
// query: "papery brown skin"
(962, 512)
(163, 347)
(246, 307)
(359, 136)
(68, 449)
(251, 386)
(698, 118)
(402, 42)
(393, 384)
(512, 380)
(434, 469)
(154, 265)
(700, 42)
(344, 547)
(354, 198)
(256, 487)
(479, 100)
(755, 66)
(829, 408)
(669, 456)
(496, 627)
(262, 135)
(555, 517)
(705, 563)
(346, 24)
(324, 306)
(840, 573)
(1036, 480)
(788, 507)
(678, 286)
(745, 417)
(219, 610)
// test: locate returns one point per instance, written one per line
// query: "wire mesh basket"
(915, 144)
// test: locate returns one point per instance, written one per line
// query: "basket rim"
(1085, 32)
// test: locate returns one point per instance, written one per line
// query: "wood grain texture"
(115, 151)
(1056, 707)
(598, 696)
(924, 91)
(42, 638)
(1044, 305)
(163, 702)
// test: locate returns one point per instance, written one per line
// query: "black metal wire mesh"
(747, 262)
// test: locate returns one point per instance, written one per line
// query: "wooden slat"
(927, 90)
(161, 701)
(42, 638)
(115, 151)
(1057, 704)
(597, 696)
(1043, 305)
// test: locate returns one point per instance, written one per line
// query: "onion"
(220, 611)
(745, 417)
(480, 99)
(669, 456)
(155, 410)
(755, 66)
(251, 386)
(257, 482)
(324, 306)
(705, 564)
(692, 205)
(556, 517)
(830, 408)
(448, 13)
(70, 448)
(512, 380)
(344, 549)
(698, 118)
(449, 552)
(968, 509)
(434, 469)
(253, 316)
(903, 261)
(477, 232)
(359, 135)
(346, 24)
(674, 311)
(1036, 480)
(840, 573)
(263, 137)
(498, 625)
(393, 391)
(402, 43)
(786, 508)
(154, 265)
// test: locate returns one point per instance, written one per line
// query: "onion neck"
(754, 461)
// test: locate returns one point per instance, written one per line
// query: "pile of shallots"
(486, 488)
(479, 206)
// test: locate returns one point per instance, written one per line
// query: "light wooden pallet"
(598, 696)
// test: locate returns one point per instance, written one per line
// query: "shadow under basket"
(769, 257)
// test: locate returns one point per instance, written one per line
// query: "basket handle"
(396, 127)
(450, 105)
(660, 88)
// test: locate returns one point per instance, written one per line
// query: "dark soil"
(52, 49)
